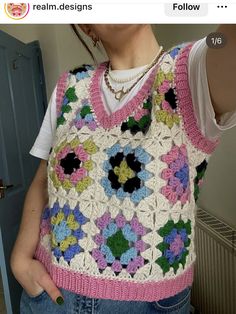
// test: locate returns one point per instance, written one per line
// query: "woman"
(108, 225)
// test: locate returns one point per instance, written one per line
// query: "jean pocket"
(174, 303)
(36, 297)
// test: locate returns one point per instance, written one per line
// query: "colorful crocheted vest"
(122, 187)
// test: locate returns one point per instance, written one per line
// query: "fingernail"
(59, 300)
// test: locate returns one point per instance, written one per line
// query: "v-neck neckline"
(107, 121)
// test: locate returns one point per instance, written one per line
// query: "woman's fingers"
(48, 285)
(43, 279)
(34, 278)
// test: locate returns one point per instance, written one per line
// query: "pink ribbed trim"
(61, 85)
(110, 120)
(103, 288)
(186, 106)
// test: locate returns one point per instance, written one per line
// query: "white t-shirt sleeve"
(202, 104)
(43, 142)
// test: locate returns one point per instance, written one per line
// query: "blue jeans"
(78, 304)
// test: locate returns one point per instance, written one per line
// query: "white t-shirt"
(198, 83)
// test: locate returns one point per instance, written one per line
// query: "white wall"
(62, 51)
(169, 35)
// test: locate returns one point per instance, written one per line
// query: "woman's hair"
(76, 31)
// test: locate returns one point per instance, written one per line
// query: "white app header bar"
(113, 11)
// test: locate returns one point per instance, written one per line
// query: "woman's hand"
(33, 277)
(30, 273)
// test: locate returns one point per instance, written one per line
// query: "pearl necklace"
(125, 80)
(121, 92)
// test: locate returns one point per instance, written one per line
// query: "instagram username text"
(62, 6)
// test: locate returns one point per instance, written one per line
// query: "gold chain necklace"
(121, 92)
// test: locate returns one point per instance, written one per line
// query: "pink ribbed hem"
(186, 106)
(61, 85)
(102, 288)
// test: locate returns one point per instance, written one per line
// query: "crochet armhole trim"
(186, 106)
(61, 86)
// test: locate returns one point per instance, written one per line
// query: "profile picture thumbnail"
(16, 11)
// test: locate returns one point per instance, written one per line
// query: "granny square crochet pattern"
(125, 173)
(120, 219)
(119, 243)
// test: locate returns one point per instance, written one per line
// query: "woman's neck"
(136, 51)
